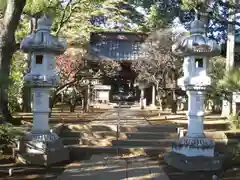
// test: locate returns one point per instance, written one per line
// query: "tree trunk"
(5, 59)
(8, 26)
(174, 96)
(26, 96)
(87, 99)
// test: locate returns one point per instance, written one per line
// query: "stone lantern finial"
(197, 26)
(45, 22)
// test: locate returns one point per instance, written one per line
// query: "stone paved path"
(101, 167)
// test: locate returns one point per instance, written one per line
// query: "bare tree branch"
(65, 17)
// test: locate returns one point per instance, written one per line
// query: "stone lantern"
(196, 50)
(42, 146)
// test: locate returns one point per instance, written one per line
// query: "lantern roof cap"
(197, 43)
(41, 40)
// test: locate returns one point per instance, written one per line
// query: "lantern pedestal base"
(194, 146)
(42, 148)
(197, 163)
(194, 154)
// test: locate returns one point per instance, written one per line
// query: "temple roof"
(115, 46)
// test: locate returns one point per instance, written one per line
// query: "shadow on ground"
(24, 172)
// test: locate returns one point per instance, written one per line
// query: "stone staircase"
(151, 140)
(102, 135)
(135, 135)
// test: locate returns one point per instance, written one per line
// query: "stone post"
(153, 96)
(142, 85)
(142, 99)
(41, 109)
(196, 50)
(195, 113)
(42, 146)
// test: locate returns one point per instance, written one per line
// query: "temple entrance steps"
(136, 134)
(131, 139)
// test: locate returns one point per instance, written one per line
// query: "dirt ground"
(228, 172)
(233, 173)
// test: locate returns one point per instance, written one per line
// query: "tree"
(109, 68)
(230, 81)
(214, 12)
(18, 66)
(216, 72)
(68, 65)
(8, 25)
(116, 15)
(159, 63)
(74, 72)
(158, 15)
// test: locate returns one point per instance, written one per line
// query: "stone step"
(233, 134)
(143, 142)
(88, 141)
(209, 125)
(90, 127)
(122, 120)
(96, 134)
(80, 152)
(151, 135)
(123, 123)
(72, 141)
(157, 128)
(123, 128)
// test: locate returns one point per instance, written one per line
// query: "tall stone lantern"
(42, 146)
(196, 49)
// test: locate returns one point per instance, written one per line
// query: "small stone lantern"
(196, 50)
(42, 146)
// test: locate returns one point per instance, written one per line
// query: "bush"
(235, 122)
(8, 135)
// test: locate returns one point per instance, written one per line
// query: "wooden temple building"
(123, 47)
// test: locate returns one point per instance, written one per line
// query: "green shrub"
(235, 123)
(8, 135)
